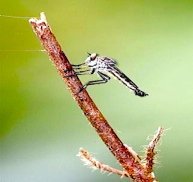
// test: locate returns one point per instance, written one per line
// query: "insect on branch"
(126, 157)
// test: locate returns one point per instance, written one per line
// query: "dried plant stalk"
(150, 151)
(95, 164)
(134, 168)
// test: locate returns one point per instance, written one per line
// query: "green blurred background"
(41, 126)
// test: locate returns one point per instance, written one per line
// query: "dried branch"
(150, 151)
(134, 168)
(95, 164)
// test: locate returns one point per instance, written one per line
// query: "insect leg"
(81, 72)
(105, 79)
(77, 65)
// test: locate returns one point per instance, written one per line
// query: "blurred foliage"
(41, 127)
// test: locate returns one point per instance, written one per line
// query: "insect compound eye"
(93, 56)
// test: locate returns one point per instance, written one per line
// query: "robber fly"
(105, 67)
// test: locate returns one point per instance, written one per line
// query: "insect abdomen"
(126, 81)
(140, 93)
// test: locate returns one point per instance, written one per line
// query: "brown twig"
(150, 151)
(134, 168)
(95, 164)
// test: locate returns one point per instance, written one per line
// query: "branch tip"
(150, 150)
(94, 164)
